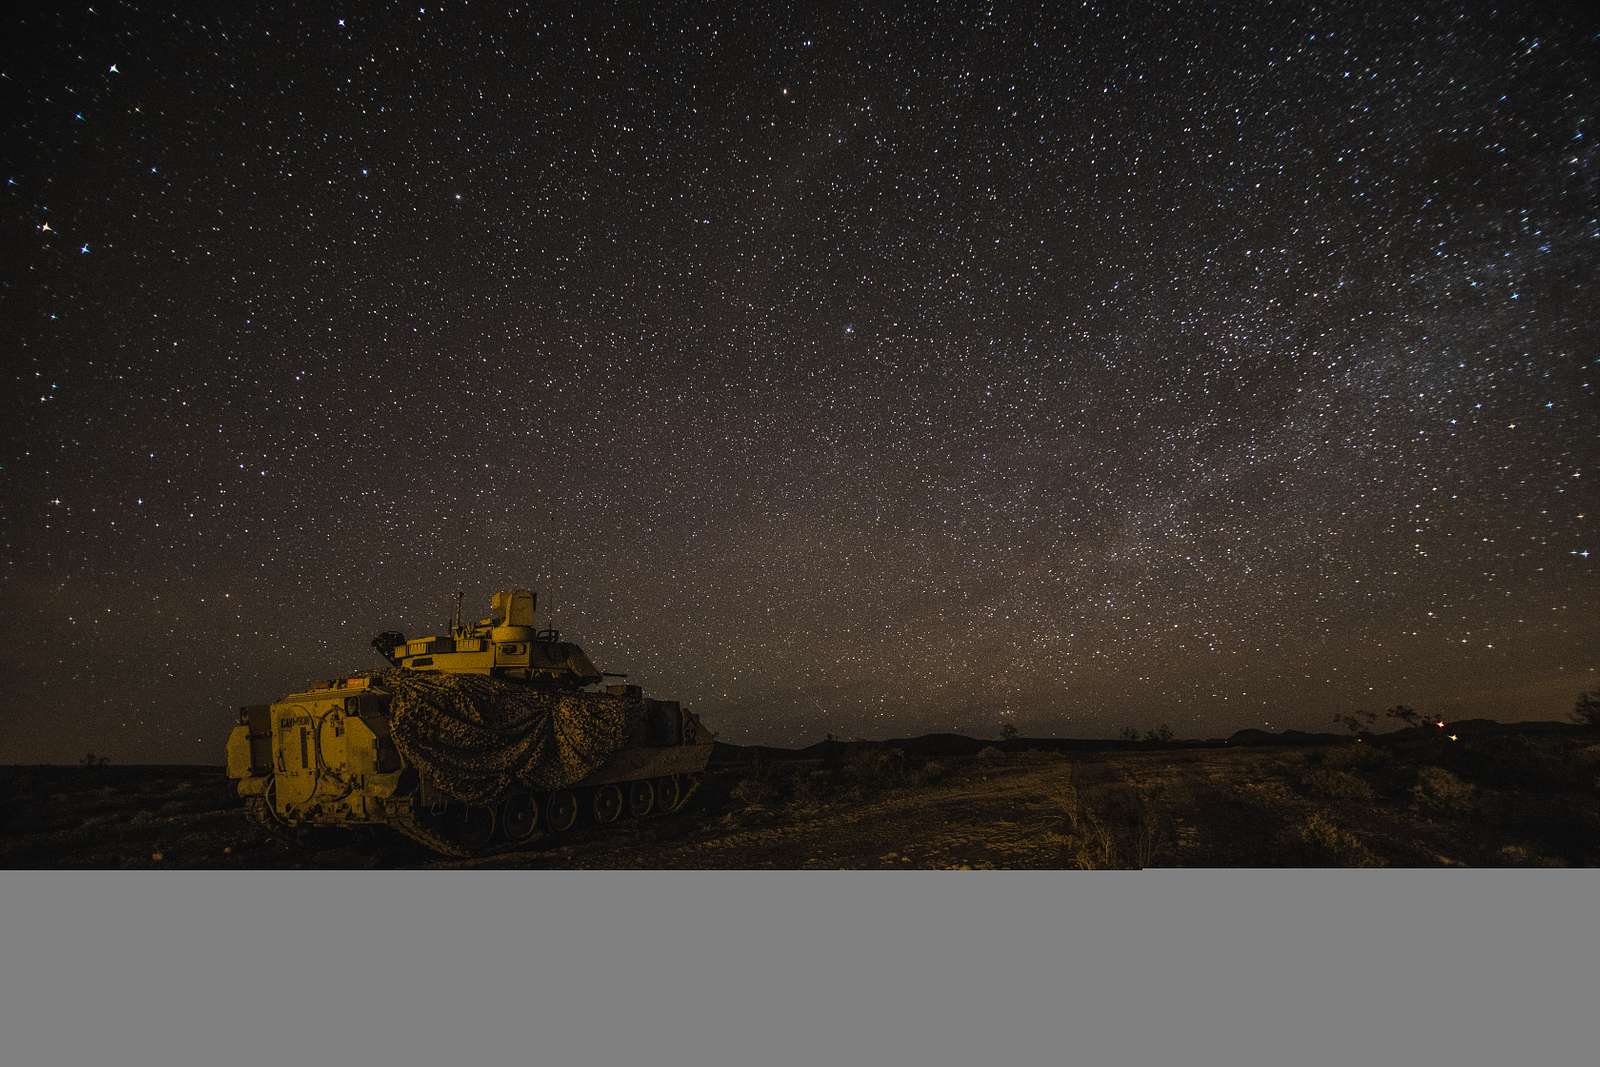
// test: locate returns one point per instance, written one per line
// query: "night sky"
(864, 373)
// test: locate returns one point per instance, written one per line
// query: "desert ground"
(1496, 795)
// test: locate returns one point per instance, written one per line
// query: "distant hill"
(946, 745)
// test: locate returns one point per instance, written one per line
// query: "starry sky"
(1079, 365)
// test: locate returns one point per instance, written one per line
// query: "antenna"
(455, 622)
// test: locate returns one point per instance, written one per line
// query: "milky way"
(873, 374)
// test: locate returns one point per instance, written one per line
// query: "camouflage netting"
(476, 737)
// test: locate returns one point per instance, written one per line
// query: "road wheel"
(607, 803)
(668, 794)
(519, 817)
(560, 810)
(641, 798)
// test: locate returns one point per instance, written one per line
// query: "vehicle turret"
(505, 644)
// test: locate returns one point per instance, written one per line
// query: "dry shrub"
(1523, 856)
(990, 754)
(855, 775)
(1065, 795)
(1517, 763)
(1358, 756)
(1152, 827)
(1330, 843)
(1088, 842)
(1440, 790)
(812, 789)
(1336, 785)
(1094, 848)
(877, 767)
(754, 792)
(1271, 795)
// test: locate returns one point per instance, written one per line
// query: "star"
(114, 69)
(85, 249)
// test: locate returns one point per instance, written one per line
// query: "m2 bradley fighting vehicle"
(476, 741)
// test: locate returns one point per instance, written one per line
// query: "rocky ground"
(1524, 795)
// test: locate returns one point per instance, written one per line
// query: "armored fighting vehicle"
(478, 740)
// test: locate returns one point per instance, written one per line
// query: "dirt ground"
(1497, 796)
